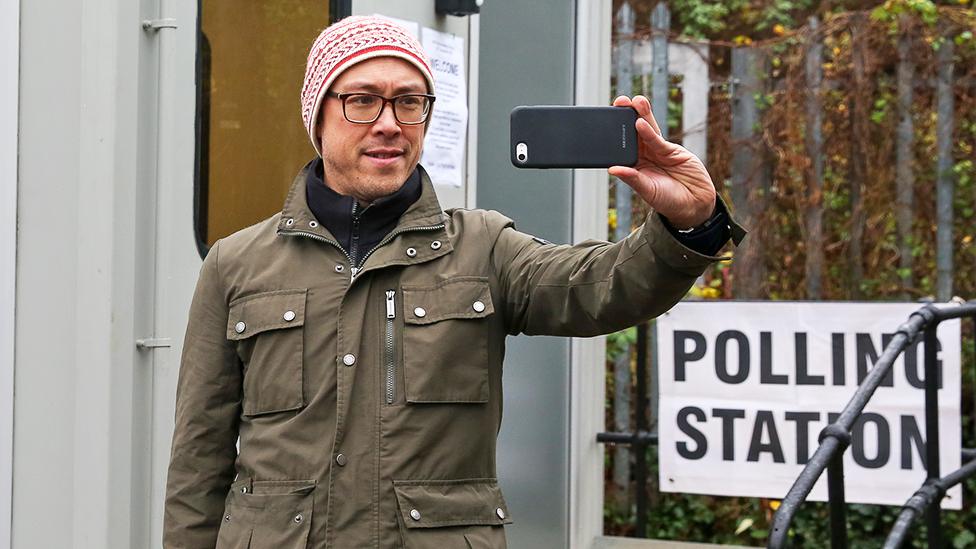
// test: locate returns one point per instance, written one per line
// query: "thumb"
(644, 186)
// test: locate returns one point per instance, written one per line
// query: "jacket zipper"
(390, 355)
(354, 238)
(313, 236)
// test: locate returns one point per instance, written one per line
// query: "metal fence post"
(862, 93)
(945, 106)
(814, 145)
(660, 87)
(640, 443)
(622, 204)
(933, 514)
(837, 502)
(905, 175)
(750, 174)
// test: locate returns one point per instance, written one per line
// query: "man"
(354, 341)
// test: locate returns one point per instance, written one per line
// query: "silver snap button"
(415, 514)
(341, 460)
(288, 316)
(226, 518)
(313, 224)
(435, 245)
(478, 307)
(243, 489)
(240, 327)
(290, 222)
(349, 359)
(340, 268)
(299, 518)
(411, 252)
(500, 513)
(420, 312)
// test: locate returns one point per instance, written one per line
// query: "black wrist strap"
(709, 237)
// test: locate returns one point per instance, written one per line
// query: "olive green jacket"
(368, 403)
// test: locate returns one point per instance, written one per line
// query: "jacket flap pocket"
(439, 503)
(461, 297)
(258, 313)
(278, 494)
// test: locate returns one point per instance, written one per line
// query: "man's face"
(370, 161)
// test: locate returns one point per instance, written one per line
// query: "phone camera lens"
(521, 157)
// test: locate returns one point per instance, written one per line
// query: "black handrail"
(923, 499)
(835, 438)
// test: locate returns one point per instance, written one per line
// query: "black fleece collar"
(358, 231)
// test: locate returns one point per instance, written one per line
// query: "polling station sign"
(746, 387)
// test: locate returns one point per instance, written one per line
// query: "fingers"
(647, 126)
(650, 134)
(622, 101)
(643, 107)
(661, 150)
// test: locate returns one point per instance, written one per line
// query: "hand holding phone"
(672, 180)
(624, 138)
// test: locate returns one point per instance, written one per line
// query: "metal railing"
(642, 437)
(836, 437)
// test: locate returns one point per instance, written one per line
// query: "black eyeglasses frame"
(391, 100)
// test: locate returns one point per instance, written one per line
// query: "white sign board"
(443, 156)
(746, 387)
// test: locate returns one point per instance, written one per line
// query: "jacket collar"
(423, 217)
(339, 214)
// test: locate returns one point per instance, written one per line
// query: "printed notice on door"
(444, 145)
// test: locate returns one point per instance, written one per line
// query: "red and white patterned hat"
(345, 43)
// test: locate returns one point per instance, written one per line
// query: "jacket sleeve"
(593, 287)
(208, 402)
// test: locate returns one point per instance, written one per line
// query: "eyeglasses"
(365, 108)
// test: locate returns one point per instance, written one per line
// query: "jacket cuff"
(708, 238)
(691, 253)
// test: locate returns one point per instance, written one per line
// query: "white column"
(9, 87)
(593, 24)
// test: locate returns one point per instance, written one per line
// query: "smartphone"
(547, 136)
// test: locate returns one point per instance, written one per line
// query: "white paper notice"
(444, 145)
(411, 26)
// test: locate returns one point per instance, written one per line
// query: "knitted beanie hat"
(345, 43)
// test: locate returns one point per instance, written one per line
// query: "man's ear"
(430, 116)
(319, 120)
(320, 117)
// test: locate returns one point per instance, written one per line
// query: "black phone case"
(573, 137)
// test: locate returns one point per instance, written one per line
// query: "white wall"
(75, 354)
(9, 71)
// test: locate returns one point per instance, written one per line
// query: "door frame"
(174, 248)
(588, 355)
(9, 120)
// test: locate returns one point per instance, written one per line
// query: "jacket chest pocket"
(445, 341)
(268, 329)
